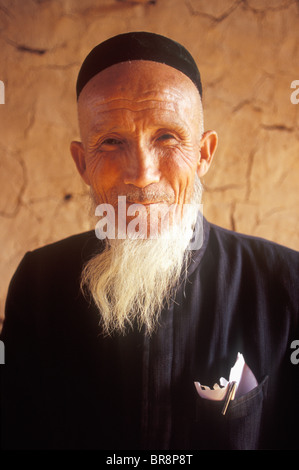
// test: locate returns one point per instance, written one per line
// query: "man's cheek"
(185, 157)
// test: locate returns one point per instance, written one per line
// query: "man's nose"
(142, 168)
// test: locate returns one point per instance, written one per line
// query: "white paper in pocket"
(239, 373)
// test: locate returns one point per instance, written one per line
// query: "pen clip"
(230, 395)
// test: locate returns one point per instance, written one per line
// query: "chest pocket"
(238, 429)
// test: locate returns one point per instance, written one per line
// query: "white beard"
(131, 280)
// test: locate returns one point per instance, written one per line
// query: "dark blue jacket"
(66, 386)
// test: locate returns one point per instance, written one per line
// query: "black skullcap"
(138, 46)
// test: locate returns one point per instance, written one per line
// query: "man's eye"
(167, 139)
(164, 137)
(111, 142)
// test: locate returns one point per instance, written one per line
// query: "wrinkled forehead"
(138, 81)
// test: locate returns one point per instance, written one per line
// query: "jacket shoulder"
(50, 270)
(80, 243)
(264, 262)
(234, 242)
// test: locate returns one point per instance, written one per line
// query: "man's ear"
(78, 155)
(208, 145)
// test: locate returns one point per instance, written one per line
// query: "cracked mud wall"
(248, 55)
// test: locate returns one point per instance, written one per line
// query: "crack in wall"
(24, 48)
(233, 225)
(250, 165)
(226, 187)
(140, 2)
(262, 11)
(277, 127)
(212, 18)
(19, 198)
(245, 5)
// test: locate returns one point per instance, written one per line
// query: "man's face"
(141, 129)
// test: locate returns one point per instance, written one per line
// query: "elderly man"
(114, 339)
